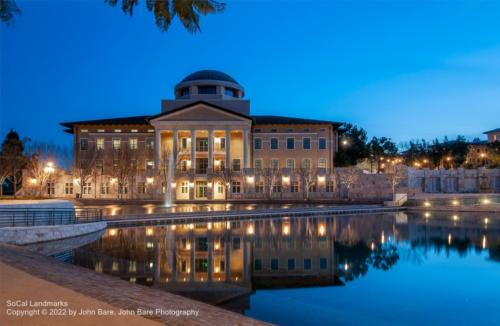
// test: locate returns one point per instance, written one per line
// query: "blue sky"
(399, 69)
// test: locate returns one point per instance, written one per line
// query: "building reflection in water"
(223, 262)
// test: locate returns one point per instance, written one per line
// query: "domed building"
(205, 145)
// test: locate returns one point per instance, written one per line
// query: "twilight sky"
(401, 69)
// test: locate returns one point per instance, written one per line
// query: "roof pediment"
(200, 111)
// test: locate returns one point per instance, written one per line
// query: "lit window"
(99, 165)
(184, 187)
(151, 130)
(150, 164)
(329, 186)
(306, 163)
(236, 164)
(306, 143)
(290, 163)
(259, 187)
(133, 130)
(322, 163)
(257, 164)
(277, 186)
(220, 188)
(116, 144)
(290, 143)
(118, 130)
(84, 130)
(101, 130)
(104, 188)
(150, 144)
(99, 144)
(294, 186)
(322, 143)
(68, 188)
(133, 143)
(275, 163)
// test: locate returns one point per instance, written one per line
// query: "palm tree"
(188, 11)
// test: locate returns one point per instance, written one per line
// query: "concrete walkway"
(48, 279)
(18, 285)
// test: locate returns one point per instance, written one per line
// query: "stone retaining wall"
(34, 234)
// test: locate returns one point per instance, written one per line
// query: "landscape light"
(285, 179)
(321, 178)
(149, 180)
(33, 181)
(250, 179)
(427, 204)
(486, 201)
(455, 202)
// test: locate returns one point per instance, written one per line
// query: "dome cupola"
(207, 85)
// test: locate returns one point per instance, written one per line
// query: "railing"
(48, 216)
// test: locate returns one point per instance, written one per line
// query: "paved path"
(47, 277)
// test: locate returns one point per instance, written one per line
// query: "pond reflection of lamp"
(216, 269)
(209, 225)
(286, 229)
(455, 202)
(427, 204)
(322, 230)
(149, 231)
(112, 232)
(188, 247)
(173, 227)
(191, 226)
(250, 229)
(427, 214)
(486, 201)
(484, 241)
(228, 225)
(449, 238)
(486, 220)
(382, 238)
(216, 246)
(372, 246)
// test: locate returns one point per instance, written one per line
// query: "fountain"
(170, 179)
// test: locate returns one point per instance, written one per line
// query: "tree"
(13, 160)
(380, 148)
(353, 146)
(8, 9)
(395, 177)
(84, 172)
(309, 178)
(124, 170)
(348, 177)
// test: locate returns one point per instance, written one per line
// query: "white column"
(157, 148)
(174, 146)
(193, 149)
(245, 148)
(210, 150)
(228, 148)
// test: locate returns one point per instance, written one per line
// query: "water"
(377, 269)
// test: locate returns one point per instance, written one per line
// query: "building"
(484, 152)
(493, 135)
(203, 145)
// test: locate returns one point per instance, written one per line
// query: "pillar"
(193, 149)
(210, 150)
(157, 148)
(245, 148)
(174, 146)
(228, 148)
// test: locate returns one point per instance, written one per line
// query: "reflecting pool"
(375, 269)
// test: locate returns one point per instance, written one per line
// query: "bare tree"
(37, 170)
(84, 170)
(397, 175)
(271, 177)
(348, 178)
(123, 169)
(309, 179)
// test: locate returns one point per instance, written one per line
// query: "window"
(133, 143)
(313, 188)
(183, 266)
(202, 144)
(87, 188)
(68, 188)
(257, 164)
(201, 189)
(104, 188)
(290, 143)
(259, 187)
(230, 92)
(201, 244)
(184, 187)
(133, 163)
(51, 189)
(294, 186)
(118, 130)
(274, 130)
(222, 266)
(84, 130)
(306, 163)
(116, 144)
(329, 186)
(223, 144)
(236, 243)
(99, 165)
(322, 143)
(275, 164)
(307, 264)
(257, 264)
(236, 164)
(207, 90)
(322, 163)
(141, 188)
(150, 143)
(184, 144)
(123, 188)
(150, 164)
(257, 130)
(201, 265)
(290, 163)
(101, 130)
(291, 264)
(274, 264)
(84, 144)
(274, 143)
(220, 188)
(257, 143)
(99, 144)
(306, 143)
(277, 186)
(202, 165)
(134, 130)
(183, 165)
(235, 187)
(323, 263)
(184, 91)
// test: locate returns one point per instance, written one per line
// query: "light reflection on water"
(376, 269)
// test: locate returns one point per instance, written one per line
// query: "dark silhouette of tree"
(381, 147)
(12, 161)
(353, 146)
(188, 11)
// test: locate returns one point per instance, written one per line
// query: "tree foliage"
(8, 9)
(353, 146)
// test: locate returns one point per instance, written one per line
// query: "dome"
(209, 75)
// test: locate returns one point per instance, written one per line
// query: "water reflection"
(224, 262)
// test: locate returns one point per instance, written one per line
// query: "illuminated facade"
(204, 145)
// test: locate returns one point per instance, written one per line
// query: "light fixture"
(149, 180)
(250, 179)
(321, 178)
(285, 179)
